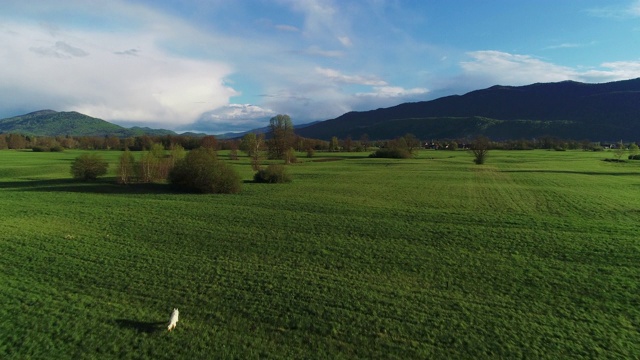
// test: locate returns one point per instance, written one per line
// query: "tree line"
(279, 125)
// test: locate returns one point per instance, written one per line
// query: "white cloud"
(393, 92)
(317, 51)
(564, 46)
(84, 70)
(324, 21)
(238, 112)
(288, 28)
(345, 41)
(631, 10)
(488, 68)
(60, 50)
(613, 71)
(335, 75)
(513, 69)
(130, 52)
(230, 118)
(634, 9)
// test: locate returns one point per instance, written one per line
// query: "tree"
(619, 150)
(347, 144)
(290, 156)
(209, 142)
(88, 167)
(201, 171)
(112, 143)
(412, 142)
(333, 146)
(282, 136)
(126, 167)
(68, 142)
(633, 150)
(177, 153)
(152, 164)
(479, 149)
(233, 147)
(17, 141)
(252, 144)
(364, 140)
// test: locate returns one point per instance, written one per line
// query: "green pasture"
(534, 255)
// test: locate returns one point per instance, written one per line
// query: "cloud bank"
(109, 76)
(495, 67)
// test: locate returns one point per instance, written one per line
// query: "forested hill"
(568, 109)
(54, 123)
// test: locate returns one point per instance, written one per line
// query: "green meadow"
(535, 254)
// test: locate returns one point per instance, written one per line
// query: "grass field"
(534, 255)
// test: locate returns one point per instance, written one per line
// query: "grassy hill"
(609, 111)
(53, 123)
(533, 255)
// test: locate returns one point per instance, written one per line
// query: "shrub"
(634, 157)
(56, 148)
(274, 173)
(40, 149)
(201, 171)
(391, 153)
(88, 167)
(310, 152)
(479, 148)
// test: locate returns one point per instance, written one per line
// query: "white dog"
(174, 319)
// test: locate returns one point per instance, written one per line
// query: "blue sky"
(229, 65)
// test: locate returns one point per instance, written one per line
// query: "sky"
(219, 66)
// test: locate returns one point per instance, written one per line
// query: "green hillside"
(53, 123)
(468, 127)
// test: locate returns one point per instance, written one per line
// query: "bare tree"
(126, 167)
(252, 144)
(412, 142)
(364, 140)
(209, 142)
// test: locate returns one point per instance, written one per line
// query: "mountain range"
(568, 109)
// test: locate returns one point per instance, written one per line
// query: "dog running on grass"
(173, 320)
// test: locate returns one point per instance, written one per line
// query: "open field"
(535, 254)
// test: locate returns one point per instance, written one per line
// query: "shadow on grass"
(97, 187)
(609, 173)
(142, 326)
